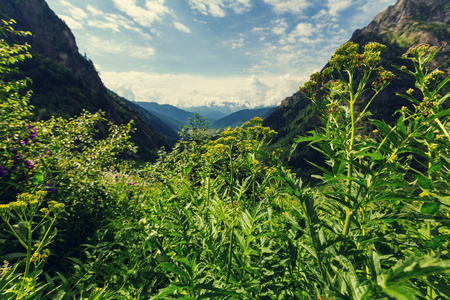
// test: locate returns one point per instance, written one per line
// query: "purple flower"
(3, 171)
(51, 189)
(19, 156)
(132, 183)
(33, 133)
(25, 141)
(29, 164)
(29, 126)
(48, 152)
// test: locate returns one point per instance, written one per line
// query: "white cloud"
(153, 10)
(280, 27)
(93, 10)
(71, 22)
(193, 90)
(336, 6)
(114, 22)
(181, 27)
(75, 12)
(303, 29)
(217, 8)
(289, 6)
(100, 46)
(237, 43)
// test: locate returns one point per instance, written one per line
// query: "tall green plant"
(367, 202)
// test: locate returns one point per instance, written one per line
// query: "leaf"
(166, 291)
(38, 177)
(175, 269)
(429, 208)
(401, 292)
(440, 85)
(425, 183)
(401, 126)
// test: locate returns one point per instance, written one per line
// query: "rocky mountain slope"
(405, 24)
(65, 82)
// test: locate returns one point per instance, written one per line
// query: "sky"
(191, 53)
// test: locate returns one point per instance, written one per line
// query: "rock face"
(65, 82)
(405, 24)
(409, 23)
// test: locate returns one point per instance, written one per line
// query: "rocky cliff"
(65, 82)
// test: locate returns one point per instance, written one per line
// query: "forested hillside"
(64, 82)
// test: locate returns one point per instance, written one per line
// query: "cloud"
(187, 90)
(93, 10)
(237, 43)
(71, 22)
(217, 8)
(280, 27)
(114, 22)
(181, 27)
(99, 46)
(289, 6)
(336, 6)
(153, 10)
(75, 12)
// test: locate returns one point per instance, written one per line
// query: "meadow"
(221, 217)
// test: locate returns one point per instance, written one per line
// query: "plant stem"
(348, 188)
(443, 128)
(229, 254)
(28, 260)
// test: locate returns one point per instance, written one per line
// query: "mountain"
(240, 117)
(64, 81)
(405, 24)
(215, 111)
(157, 123)
(173, 116)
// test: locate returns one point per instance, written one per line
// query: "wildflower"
(26, 141)
(19, 156)
(29, 164)
(4, 269)
(51, 189)
(3, 171)
(33, 134)
(35, 257)
(132, 183)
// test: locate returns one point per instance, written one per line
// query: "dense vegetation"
(222, 218)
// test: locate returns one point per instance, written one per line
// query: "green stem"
(41, 244)
(348, 188)
(28, 260)
(231, 176)
(442, 127)
(229, 254)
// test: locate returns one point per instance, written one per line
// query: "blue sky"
(198, 52)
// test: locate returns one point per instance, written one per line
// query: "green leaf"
(425, 183)
(429, 208)
(175, 269)
(166, 291)
(401, 292)
(38, 177)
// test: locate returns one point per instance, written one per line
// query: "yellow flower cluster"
(27, 202)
